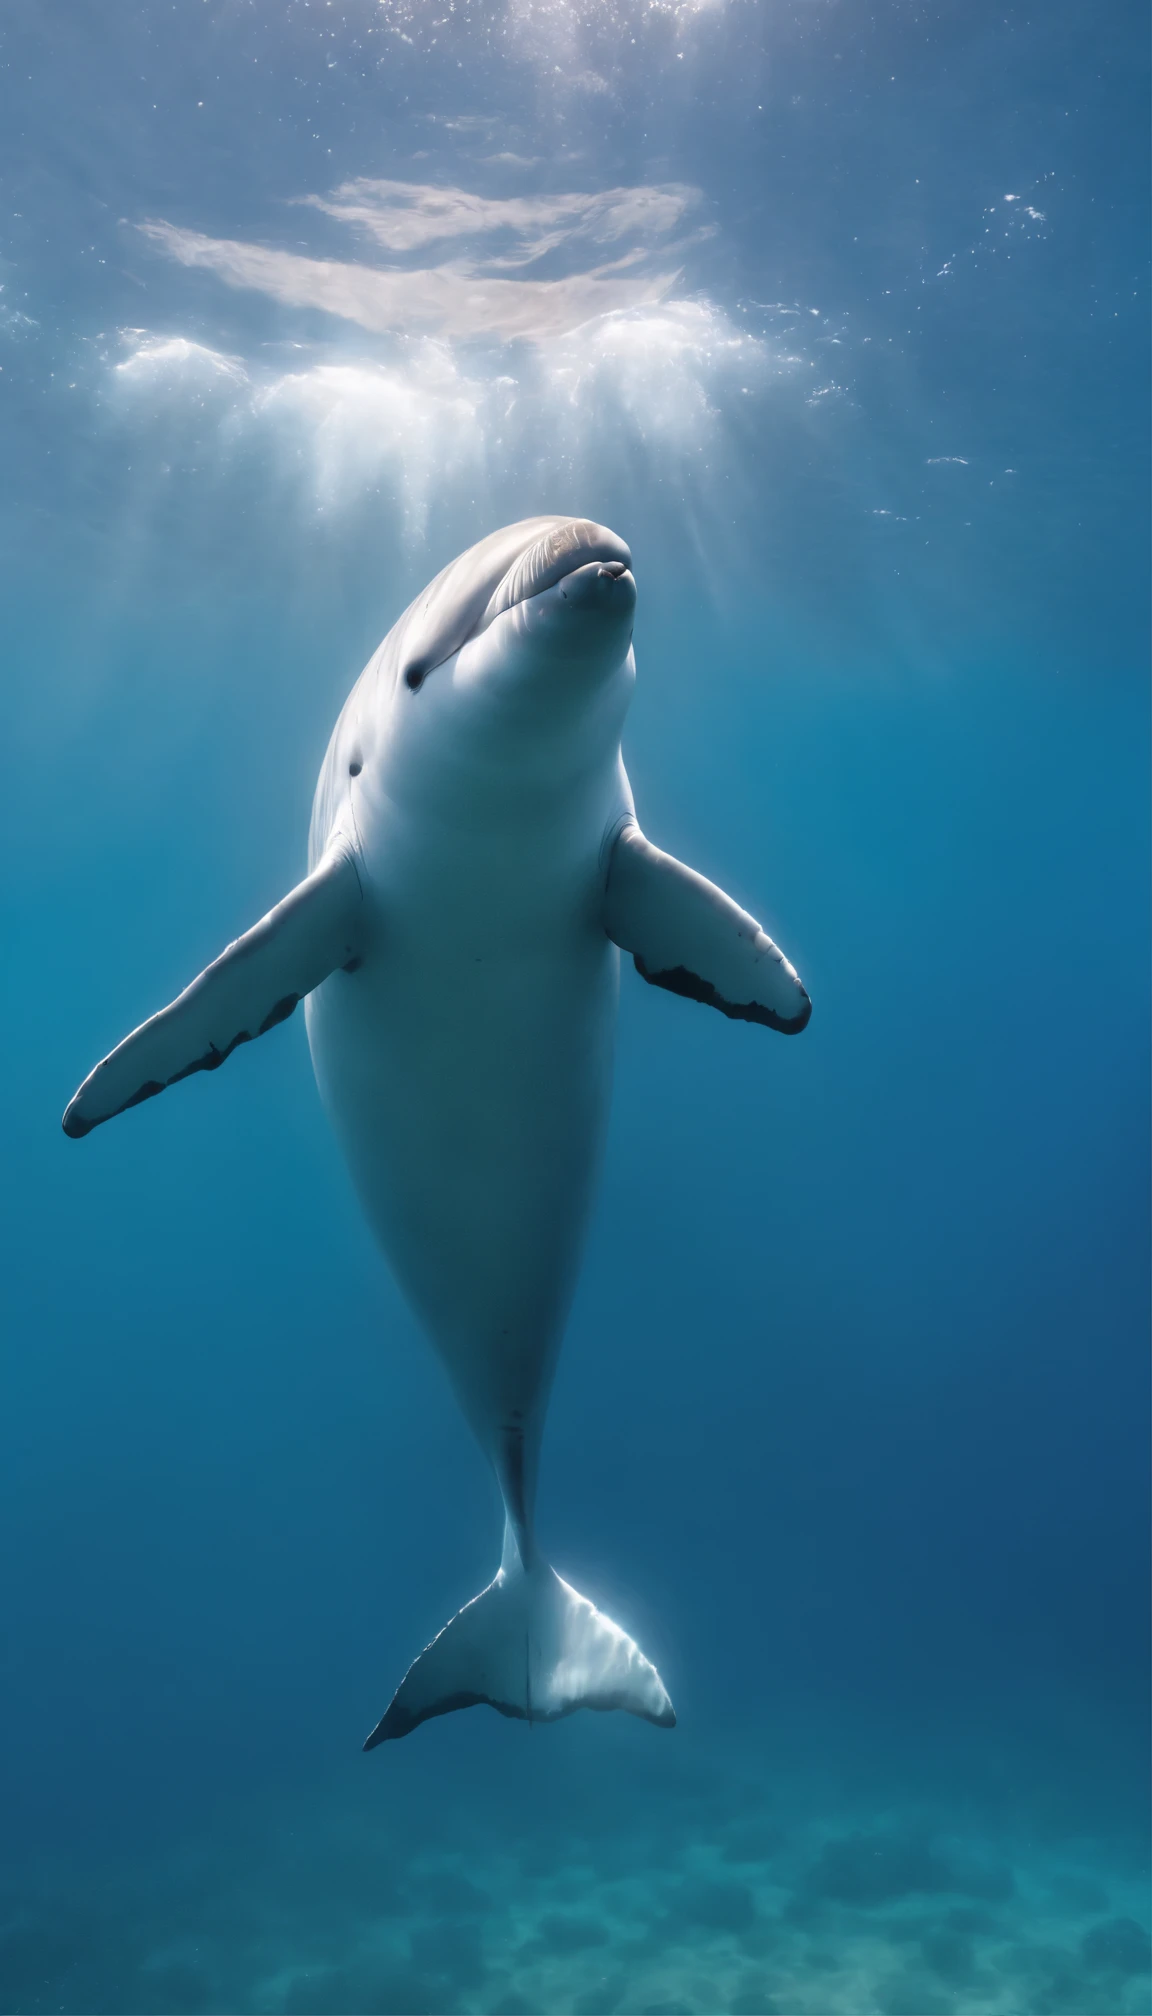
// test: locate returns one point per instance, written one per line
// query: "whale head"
(506, 571)
(515, 662)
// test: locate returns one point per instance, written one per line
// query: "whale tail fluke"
(530, 1647)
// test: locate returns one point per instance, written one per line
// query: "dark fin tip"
(279, 1013)
(76, 1127)
(399, 1721)
(681, 980)
(151, 1090)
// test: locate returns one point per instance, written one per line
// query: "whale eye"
(354, 769)
(414, 678)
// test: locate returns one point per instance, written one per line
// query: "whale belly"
(466, 1067)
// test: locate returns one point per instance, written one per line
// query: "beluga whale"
(475, 869)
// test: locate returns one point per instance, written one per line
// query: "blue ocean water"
(839, 316)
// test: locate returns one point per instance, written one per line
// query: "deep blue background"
(851, 1420)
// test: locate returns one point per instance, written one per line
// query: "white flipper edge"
(686, 935)
(531, 1647)
(254, 984)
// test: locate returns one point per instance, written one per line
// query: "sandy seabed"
(547, 1886)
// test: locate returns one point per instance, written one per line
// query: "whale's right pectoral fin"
(255, 983)
(686, 935)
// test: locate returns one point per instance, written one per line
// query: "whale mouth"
(604, 588)
(563, 551)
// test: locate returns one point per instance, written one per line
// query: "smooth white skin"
(466, 1065)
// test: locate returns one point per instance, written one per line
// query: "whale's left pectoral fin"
(686, 935)
(255, 983)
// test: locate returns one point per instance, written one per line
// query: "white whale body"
(475, 864)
